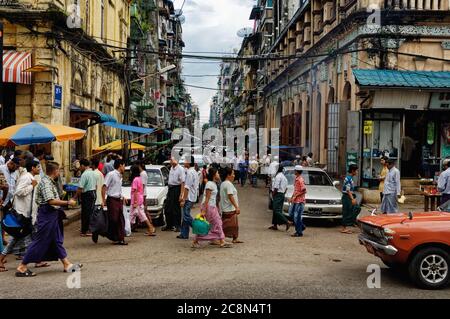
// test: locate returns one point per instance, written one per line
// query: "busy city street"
(270, 264)
(224, 149)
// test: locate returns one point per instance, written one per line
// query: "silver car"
(323, 199)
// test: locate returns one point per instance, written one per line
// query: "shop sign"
(352, 158)
(178, 115)
(368, 127)
(57, 103)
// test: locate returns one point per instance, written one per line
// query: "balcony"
(416, 4)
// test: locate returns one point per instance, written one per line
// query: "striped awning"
(14, 65)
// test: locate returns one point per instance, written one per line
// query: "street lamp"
(162, 71)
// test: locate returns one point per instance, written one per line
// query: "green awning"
(407, 79)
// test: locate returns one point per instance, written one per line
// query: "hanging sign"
(368, 127)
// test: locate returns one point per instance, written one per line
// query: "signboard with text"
(58, 97)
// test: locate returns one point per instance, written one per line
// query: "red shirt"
(100, 167)
(299, 190)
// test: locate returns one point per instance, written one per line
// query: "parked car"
(323, 199)
(157, 189)
(418, 243)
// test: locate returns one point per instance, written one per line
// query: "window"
(87, 13)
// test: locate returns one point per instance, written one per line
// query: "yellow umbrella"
(118, 146)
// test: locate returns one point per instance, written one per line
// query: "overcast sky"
(210, 26)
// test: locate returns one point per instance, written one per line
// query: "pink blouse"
(137, 188)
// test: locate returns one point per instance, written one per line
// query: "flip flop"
(3, 269)
(237, 242)
(150, 234)
(346, 232)
(74, 268)
(44, 265)
(226, 246)
(27, 273)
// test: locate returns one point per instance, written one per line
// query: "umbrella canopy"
(118, 146)
(38, 133)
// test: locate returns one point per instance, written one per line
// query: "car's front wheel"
(429, 268)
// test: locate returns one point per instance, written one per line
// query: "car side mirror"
(336, 183)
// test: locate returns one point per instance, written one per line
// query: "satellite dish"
(245, 32)
(182, 19)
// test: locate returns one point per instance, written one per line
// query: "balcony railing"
(416, 4)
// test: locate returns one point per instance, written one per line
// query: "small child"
(137, 210)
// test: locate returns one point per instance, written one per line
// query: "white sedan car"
(157, 189)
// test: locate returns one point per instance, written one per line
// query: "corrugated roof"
(394, 78)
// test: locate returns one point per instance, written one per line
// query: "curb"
(73, 217)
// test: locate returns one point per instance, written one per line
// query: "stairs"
(412, 191)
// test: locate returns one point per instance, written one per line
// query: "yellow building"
(76, 49)
(354, 81)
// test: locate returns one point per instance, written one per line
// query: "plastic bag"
(200, 226)
(126, 215)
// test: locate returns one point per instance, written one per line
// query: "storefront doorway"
(9, 103)
(424, 145)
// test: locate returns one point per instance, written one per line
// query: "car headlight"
(378, 233)
(389, 233)
(152, 202)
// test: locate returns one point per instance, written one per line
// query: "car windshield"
(312, 178)
(154, 178)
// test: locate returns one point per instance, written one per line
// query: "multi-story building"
(63, 64)
(350, 80)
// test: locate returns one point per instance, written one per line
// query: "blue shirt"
(392, 182)
(349, 184)
(444, 182)
(243, 166)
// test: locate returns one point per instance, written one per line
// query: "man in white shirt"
(279, 187)
(113, 189)
(392, 189)
(26, 206)
(9, 170)
(172, 211)
(236, 161)
(189, 197)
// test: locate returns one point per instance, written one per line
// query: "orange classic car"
(418, 243)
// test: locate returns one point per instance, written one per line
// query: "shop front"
(407, 120)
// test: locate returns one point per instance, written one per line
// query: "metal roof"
(407, 79)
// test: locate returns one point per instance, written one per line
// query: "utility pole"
(126, 116)
(1, 75)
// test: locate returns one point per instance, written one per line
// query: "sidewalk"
(73, 215)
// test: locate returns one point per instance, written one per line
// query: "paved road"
(323, 264)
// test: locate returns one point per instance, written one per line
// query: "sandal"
(348, 231)
(27, 273)
(150, 234)
(74, 268)
(42, 265)
(273, 228)
(195, 245)
(237, 242)
(226, 245)
(3, 269)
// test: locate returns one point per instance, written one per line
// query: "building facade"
(74, 62)
(351, 80)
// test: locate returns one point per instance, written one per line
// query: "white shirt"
(100, 181)
(177, 176)
(236, 163)
(212, 186)
(11, 179)
(23, 197)
(280, 183)
(2, 160)
(191, 184)
(273, 168)
(113, 183)
(144, 178)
